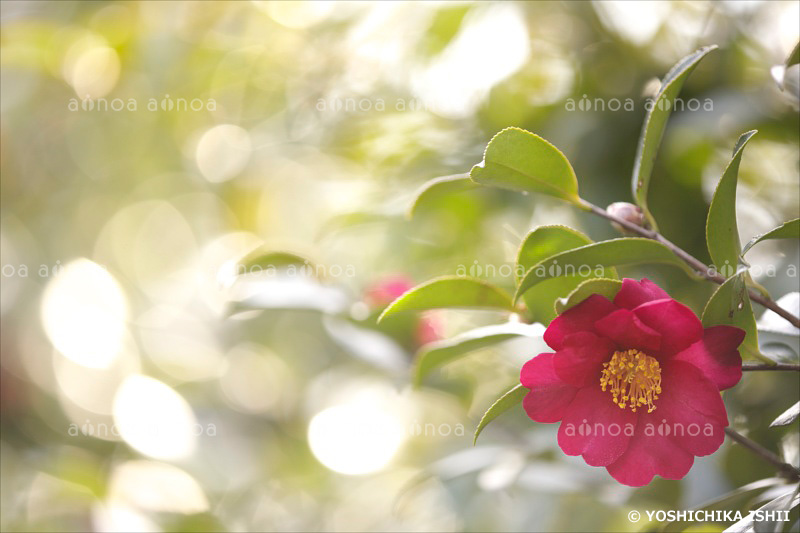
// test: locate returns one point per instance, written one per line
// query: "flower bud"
(628, 212)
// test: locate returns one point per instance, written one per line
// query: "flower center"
(634, 379)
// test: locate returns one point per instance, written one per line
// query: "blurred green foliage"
(309, 127)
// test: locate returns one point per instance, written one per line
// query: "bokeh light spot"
(84, 312)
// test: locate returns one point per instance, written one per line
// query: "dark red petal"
(624, 328)
(580, 318)
(549, 396)
(716, 355)
(634, 293)
(690, 410)
(596, 428)
(581, 357)
(650, 455)
(678, 325)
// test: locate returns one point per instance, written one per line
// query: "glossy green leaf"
(503, 404)
(451, 291)
(602, 286)
(438, 188)
(787, 230)
(538, 245)
(730, 305)
(593, 258)
(656, 122)
(722, 233)
(522, 161)
(438, 353)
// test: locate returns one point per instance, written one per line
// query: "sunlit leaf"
(538, 245)
(297, 293)
(593, 258)
(787, 417)
(520, 160)
(776, 336)
(602, 286)
(438, 353)
(267, 260)
(452, 292)
(722, 233)
(656, 122)
(445, 25)
(770, 511)
(736, 499)
(730, 305)
(367, 344)
(787, 230)
(503, 404)
(438, 188)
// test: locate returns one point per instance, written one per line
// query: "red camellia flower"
(635, 383)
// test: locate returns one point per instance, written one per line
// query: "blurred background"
(148, 385)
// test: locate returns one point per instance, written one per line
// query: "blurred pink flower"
(385, 291)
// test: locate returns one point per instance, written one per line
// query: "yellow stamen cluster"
(634, 379)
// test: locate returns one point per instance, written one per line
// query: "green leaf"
(538, 245)
(787, 230)
(439, 187)
(522, 161)
(602, 286)
(730, 305)
(594, 257)
(438, 353)
(722, 233)
(503, 404)
(261, 260)
(451, 291)
(656, 122)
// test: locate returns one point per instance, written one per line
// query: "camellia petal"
(693, 414)
(716, 355)
(549, 395)
(579, 318)
(627, 331)
(595, 428)
(634, 293)
(650, 455)
(678, 325)
(581, 357)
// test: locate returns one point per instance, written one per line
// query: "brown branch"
(784, 469)
(698, 266)
(767, 366)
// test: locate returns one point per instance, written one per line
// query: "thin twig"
(767, 366)
(784, 468)
(701, 268)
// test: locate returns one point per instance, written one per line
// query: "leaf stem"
(783, 468)
(701, 268)
(767, 366)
